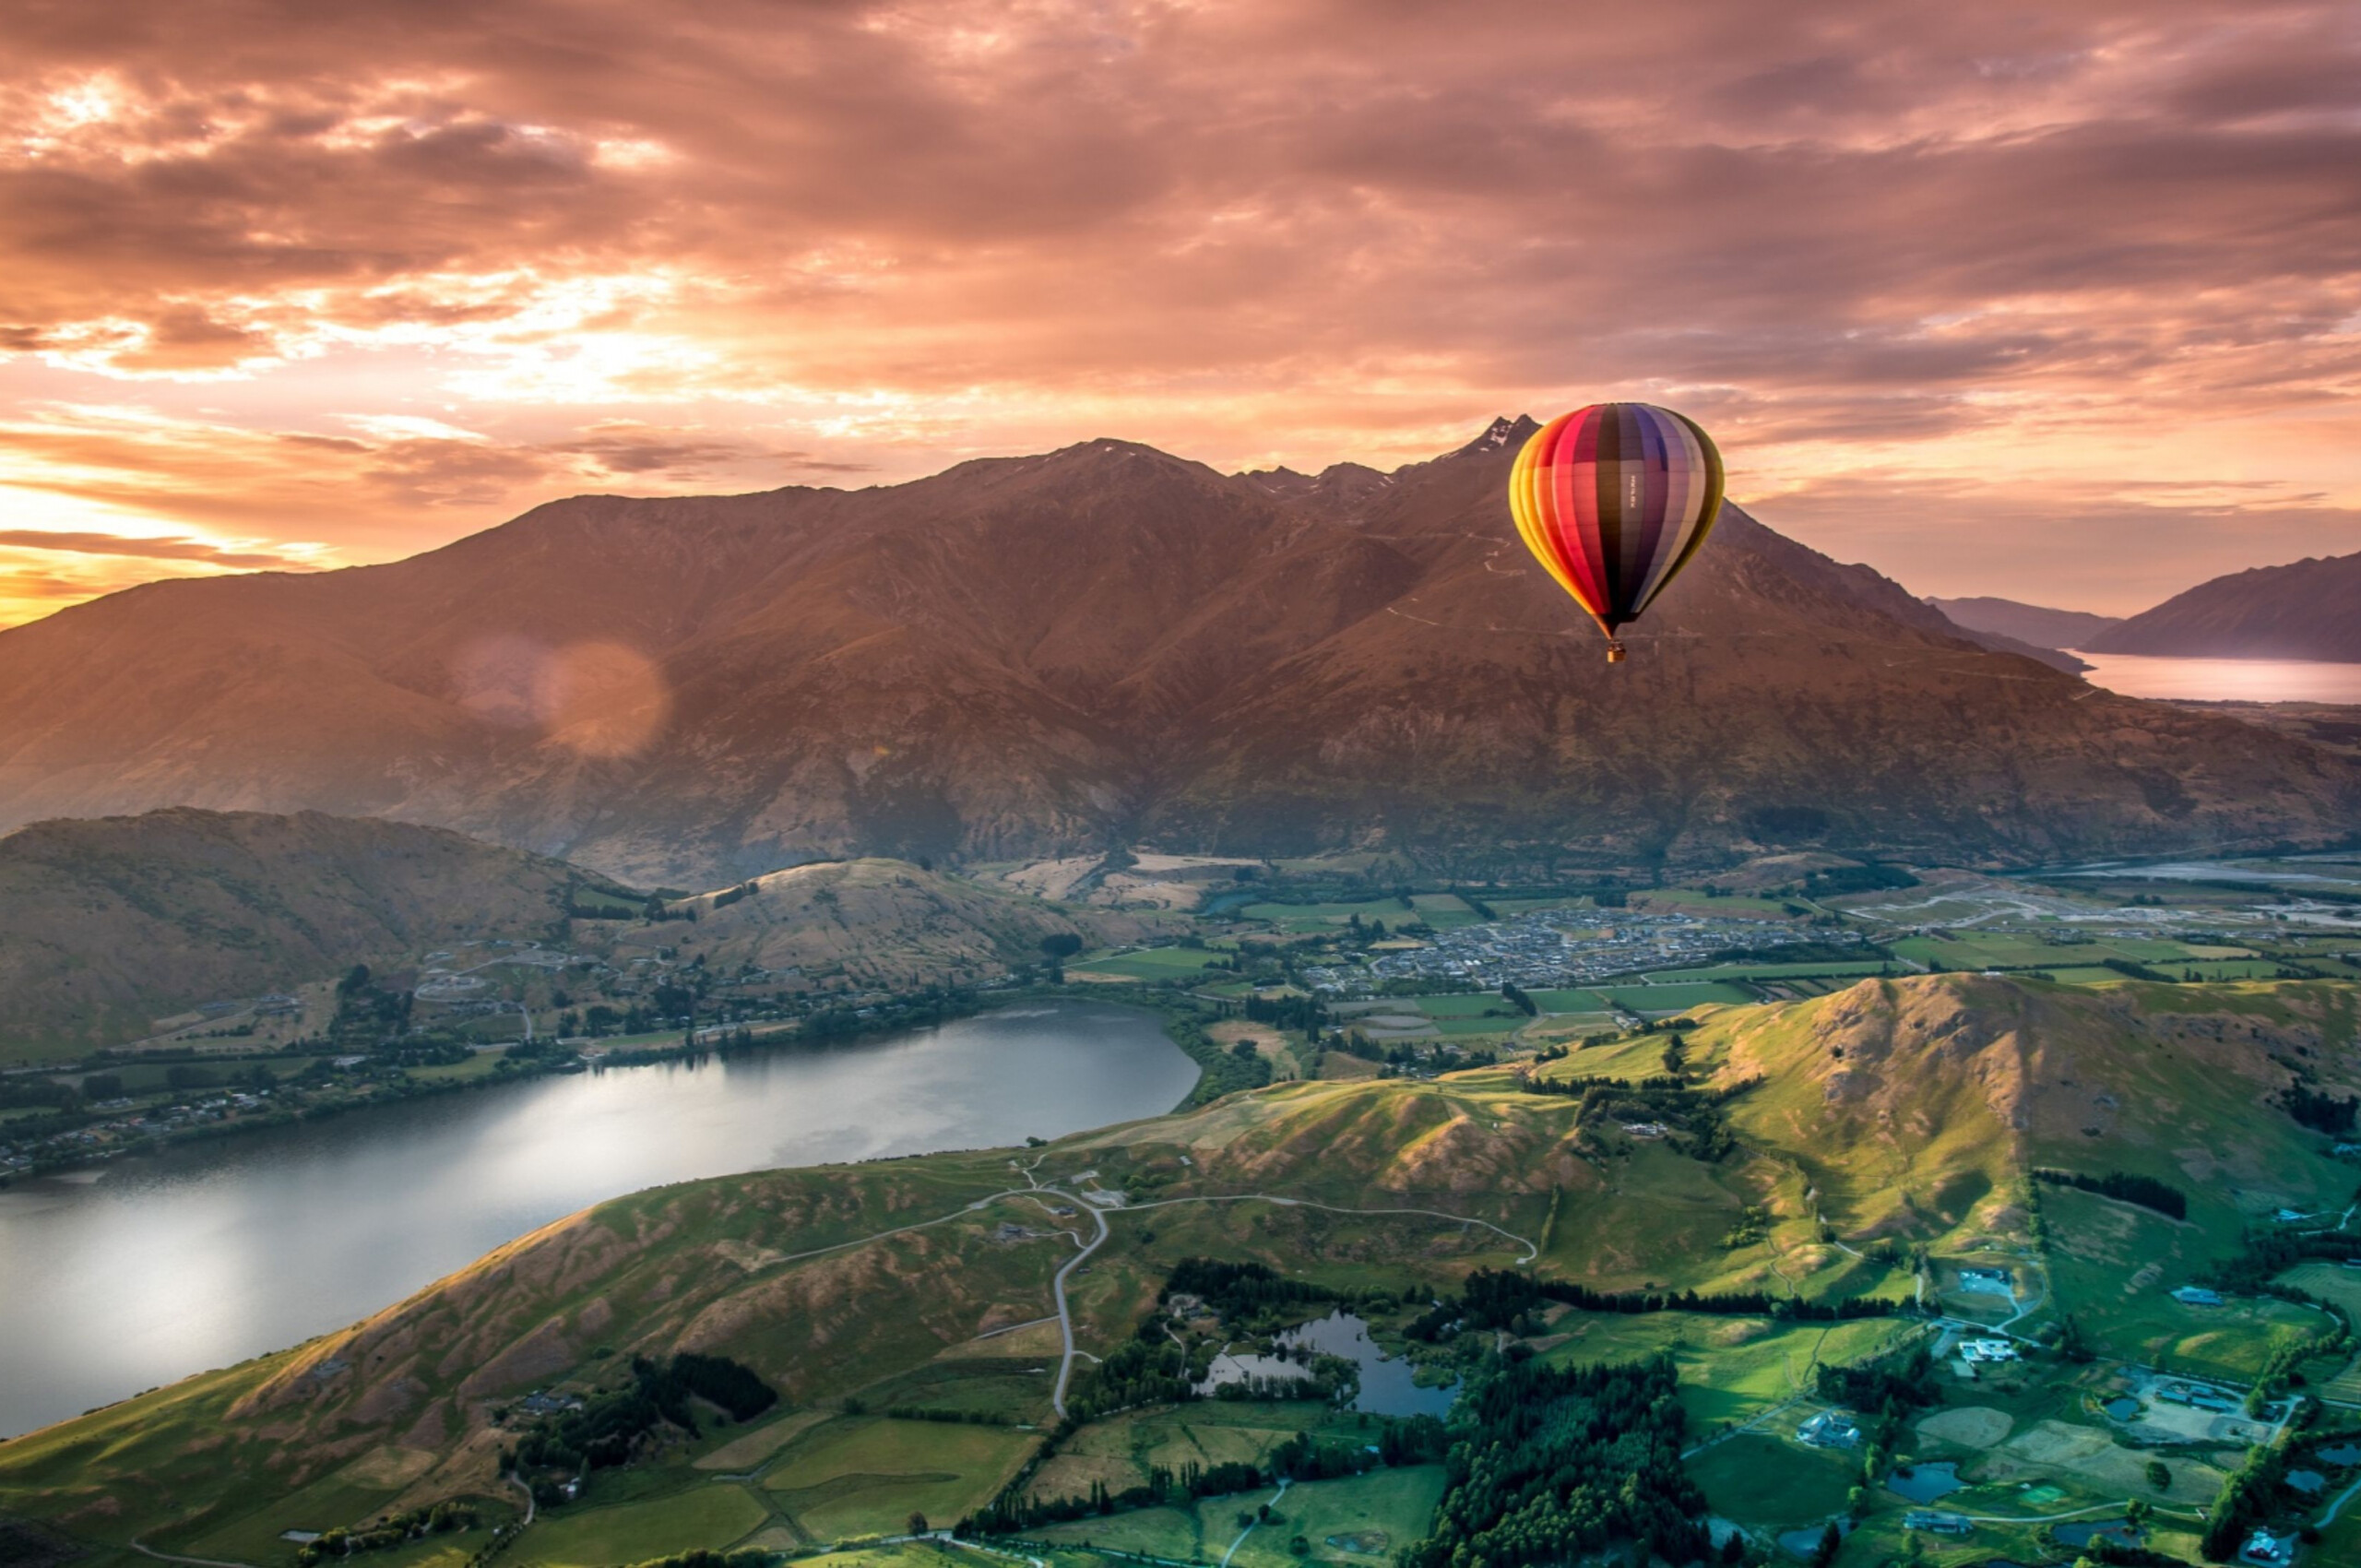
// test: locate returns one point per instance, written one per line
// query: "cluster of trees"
(1516, 998)
(2328, 1113)
(1555, 1464)
(1223, 1072)
(1138, 1372)
(395, 1529)
(1239, 1292)
(2248, 1499)
(1304, 1012)
(1667, 1099)
(611, 1427)
(1496, 1299)
(1884, 1391)
(367, 1014)
(2145, 1191)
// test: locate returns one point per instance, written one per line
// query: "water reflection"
(216, 1251)
(2223, 680)
(1389, 1386)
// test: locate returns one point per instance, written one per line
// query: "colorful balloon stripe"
(1614, 500)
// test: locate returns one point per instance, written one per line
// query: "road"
(2327, 1516)
(1058, 1290)
(1250, 1528)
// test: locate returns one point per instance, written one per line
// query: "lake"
(139, 1273)
(2223, 680)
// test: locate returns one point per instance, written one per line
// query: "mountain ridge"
(1107, 645)
(2308, 609)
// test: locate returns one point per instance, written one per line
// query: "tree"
(916, 1523)
(1831, 1541)
(1061, 944)
(2158, 1476)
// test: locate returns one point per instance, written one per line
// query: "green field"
(713, 1515)
(1364, 1519)
(1779, 1485)
(2025, 950)
(1673, 998)
(1732, 1369)
(1845, 968)
(1147, 963)
(867, 1476)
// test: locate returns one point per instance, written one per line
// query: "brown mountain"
(2033, 623)
(106, 926)
(1107, 644)
(2309, 608)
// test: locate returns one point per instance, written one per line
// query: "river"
(2223, 680)
(117, 1279)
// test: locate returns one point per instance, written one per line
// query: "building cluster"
(1558, 947)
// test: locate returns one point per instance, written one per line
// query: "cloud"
(153, 549)
(1993, 252)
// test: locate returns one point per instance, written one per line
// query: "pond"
(138, 1272)
(1927, 1482)
(1389, 1386)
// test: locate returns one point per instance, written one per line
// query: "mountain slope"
(2308, 609)
(1110, 645)
(2033, 623)
(107, 925)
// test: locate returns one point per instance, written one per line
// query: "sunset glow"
(2062, 303)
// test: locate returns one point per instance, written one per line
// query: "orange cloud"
(2003, 261)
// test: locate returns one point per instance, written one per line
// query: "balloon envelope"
(1615, 499)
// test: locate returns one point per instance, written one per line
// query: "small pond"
(2123, 1409)
(1388, 1385)
(2344, 1455)
(1927, 1482)
(2310, 1482)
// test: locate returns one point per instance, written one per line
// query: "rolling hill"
(1107, 645)
(107, 925)
(2308, 609)
(1903, 1110)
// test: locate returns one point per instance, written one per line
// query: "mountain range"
(1103, 646)
(2035, 625)
(2308, 609)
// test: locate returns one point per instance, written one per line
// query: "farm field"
(1776, 1484)
(1354, 1519)
(1732, 1369)
(711, 1515)
(867, 1474)
(1674, 997)
(2015, 950)
(1146, 962)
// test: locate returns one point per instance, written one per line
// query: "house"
(2269, 1551)
(1974, 1351)
(1987, 1282)
(1936, 1522)
(2197, 1296)
(1831, 1429)
(1645, 1129)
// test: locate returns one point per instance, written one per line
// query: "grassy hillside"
(885, 922)
(1906, 1111)
(107, 925)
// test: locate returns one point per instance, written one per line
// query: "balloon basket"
(1614, 651)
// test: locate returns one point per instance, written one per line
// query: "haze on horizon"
(2001, 300)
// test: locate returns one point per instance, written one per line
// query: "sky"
(2059, 303)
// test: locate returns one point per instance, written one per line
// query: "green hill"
(1806, 1137)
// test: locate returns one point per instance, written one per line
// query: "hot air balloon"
(1615, 499)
